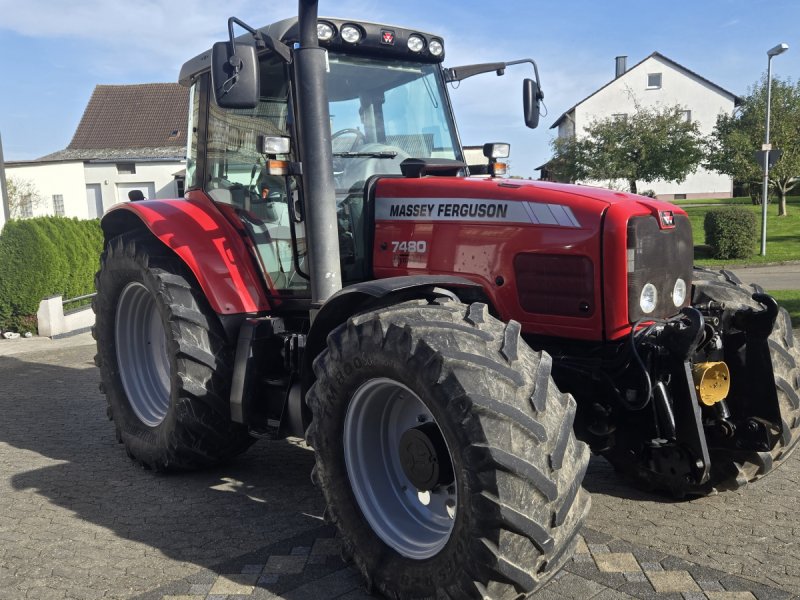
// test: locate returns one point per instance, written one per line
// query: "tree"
(737, 137)
(653, 143)
(23, 197)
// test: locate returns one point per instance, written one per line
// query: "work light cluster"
(354, 34)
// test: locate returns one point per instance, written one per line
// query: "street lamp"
(779, 49)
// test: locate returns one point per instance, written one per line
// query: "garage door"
(147, 188)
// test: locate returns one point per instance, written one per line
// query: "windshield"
(382, 113)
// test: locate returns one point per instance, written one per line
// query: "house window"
(58, 205)
(679, 197)
(620, 116)
(180, 183)
(653, 81)
(26, 207)
(126, 168)
(687, 115)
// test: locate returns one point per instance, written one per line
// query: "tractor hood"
(546, 254)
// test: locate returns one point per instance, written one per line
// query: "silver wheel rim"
(380, 411)
(142, 354)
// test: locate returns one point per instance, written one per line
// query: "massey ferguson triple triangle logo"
(667, 218)
(387, 36)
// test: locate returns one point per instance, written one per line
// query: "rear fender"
(206, 241)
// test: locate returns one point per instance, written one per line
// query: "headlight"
(415, 43)
(648, 298)
(351, 34)
(435, 47)
(324, 31)
(679, 293)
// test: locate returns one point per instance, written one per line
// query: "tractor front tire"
(445, 453)
(785, 353)
(164, 360)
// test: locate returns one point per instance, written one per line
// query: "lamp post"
(779, 49)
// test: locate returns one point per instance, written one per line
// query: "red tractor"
(489, 332)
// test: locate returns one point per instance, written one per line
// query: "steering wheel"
(357, 141)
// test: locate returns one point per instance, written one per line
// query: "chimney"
(622, 66)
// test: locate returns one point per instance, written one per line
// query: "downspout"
(314, 125)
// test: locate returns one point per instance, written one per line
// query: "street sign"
(774, 155)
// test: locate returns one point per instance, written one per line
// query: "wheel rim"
(380, 412)
(142, 354)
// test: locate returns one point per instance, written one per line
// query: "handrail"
(84, 297)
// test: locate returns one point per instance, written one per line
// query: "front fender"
(206, 241)
(355, 298)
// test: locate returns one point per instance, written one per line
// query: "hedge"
(731, 232)
(41, 257)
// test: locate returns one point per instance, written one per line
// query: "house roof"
(131, 121)
(658, 55)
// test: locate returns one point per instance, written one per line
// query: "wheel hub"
(400, 469)
(424, 457)
(142, 357)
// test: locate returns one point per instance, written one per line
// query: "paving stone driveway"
(79, 520)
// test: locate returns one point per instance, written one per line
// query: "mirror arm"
(262, 41)
(460, 73)
(540, 93)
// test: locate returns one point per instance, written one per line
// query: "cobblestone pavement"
(79, 520)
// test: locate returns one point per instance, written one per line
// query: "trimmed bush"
(43, 257)
(731, 232)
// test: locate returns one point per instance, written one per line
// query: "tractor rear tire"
(502, 503)
(164, 360)
(725, 287)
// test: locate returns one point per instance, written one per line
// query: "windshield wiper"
(386, 154)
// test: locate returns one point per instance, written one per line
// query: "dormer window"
(653, 81)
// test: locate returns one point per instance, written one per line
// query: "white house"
(131, 137)
(658, 81)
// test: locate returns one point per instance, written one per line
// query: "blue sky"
(55, 52)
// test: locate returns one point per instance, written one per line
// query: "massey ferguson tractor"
(452, 347)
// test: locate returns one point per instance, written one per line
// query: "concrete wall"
(63, 178)
(114, 185)
(51, 321)
(677, 87)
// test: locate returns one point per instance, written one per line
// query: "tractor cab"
(386, 101)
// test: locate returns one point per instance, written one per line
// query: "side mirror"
(234, 75)
(531, 95)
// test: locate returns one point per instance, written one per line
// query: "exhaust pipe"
(314, 126)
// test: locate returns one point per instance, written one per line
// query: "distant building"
(130, 137)
(656, 81)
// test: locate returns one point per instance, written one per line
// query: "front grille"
(555, 284)
(658, 256)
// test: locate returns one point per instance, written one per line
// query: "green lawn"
(790, 300)
(723, 201)
(783, 234)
